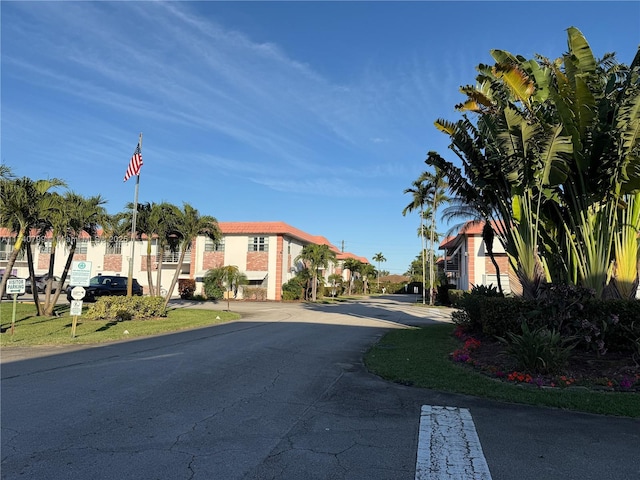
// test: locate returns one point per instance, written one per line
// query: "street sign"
(80, 273)
(15, 286)
(78, 293)
(76, 307)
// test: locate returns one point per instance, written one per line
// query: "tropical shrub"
(538, 351)
(119, 308)
(294, 289)
(213, 284)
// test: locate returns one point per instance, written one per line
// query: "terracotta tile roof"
(470, 228)
(244, 228)
(282, 228)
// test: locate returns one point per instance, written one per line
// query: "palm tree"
(84, 215)
(233, 278)
(314, 258)
(353, 266)
(419, 191)
(335, 280)
(163, 218)
(20, 202)
(437, 185)
(379, 258)
(366, 270)
(144, 227)
(188, 226)
(155, 222)
(54, 217)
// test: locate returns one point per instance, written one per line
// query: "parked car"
(41, 283)
(103, 285)
(4, 293)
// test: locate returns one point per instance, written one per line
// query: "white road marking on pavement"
(448, 446)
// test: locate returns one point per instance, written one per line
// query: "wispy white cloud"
(161, 64)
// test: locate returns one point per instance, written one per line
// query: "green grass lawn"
(420, 357)
(33, 330)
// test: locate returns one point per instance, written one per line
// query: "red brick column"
(279, 265)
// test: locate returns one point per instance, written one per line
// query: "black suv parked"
(106, 285)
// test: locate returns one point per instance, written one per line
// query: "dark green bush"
(598, 325)
(538, 351)
(293, 289)
(213, 286)
(455, 296)
(442, 295)
(119, 308)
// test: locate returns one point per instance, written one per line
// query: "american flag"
(134, 164)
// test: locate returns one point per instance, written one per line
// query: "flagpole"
(133, 229)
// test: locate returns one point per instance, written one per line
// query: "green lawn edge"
(420, 357)
(31, 330)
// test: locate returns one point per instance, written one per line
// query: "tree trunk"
(65, 273)
(432, 234)
(314, 286)
(176, 274)
(159, 255)
(424, 267)
(149, 265)
(32, 276)
(52, 260)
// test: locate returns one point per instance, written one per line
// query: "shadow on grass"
(107, 326)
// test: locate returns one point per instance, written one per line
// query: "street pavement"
(280, 394)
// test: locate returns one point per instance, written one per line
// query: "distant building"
(264, 251)
(466, 261)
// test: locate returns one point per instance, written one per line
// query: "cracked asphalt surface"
(280, 394)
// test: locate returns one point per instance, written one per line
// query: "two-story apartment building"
(264, 251)
(466, 262)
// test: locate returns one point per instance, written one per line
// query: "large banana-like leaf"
(480, 94)
(580, 49)
(626, 247)
(554, 170)
(629, 125)
(445, 126)
(516, 79)
(542, 78)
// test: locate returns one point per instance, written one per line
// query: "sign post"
(80, 277)
(77, 293)
(15, 286)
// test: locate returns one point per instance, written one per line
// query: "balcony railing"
(174, 257)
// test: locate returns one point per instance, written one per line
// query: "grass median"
(32, 330)
(420, 357)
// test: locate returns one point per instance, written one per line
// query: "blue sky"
(318, 114)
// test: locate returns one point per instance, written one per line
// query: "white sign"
(15, 285)
(78, 293)
(80, 273)
(76, 307)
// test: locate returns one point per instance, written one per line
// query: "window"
(46, 247)
(210, 245)
(259, 244)
(82, 246)
(6, 247)
(114, 248)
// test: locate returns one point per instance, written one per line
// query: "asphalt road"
(281, 394)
